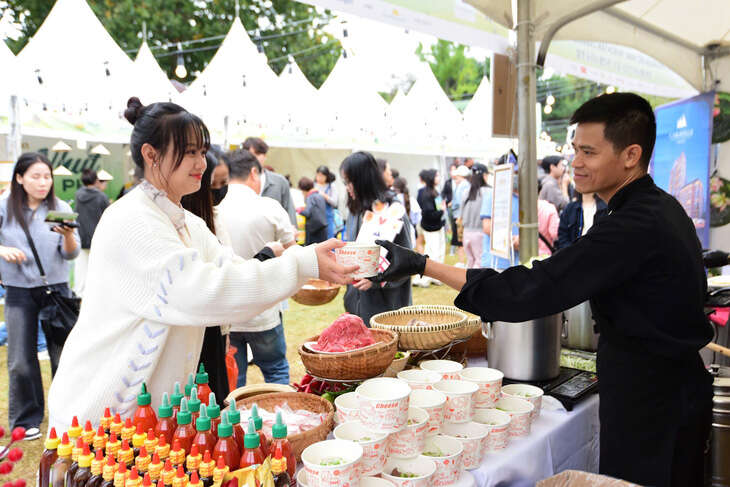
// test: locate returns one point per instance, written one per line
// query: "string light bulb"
(548, 109)
(550, 100)
(180, 70)
(610, 89)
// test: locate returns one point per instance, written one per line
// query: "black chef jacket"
(641, 267)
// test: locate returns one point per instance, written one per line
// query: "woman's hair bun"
(134, 110)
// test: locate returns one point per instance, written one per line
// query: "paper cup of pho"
(459, 406)
(527, 392)
(447, 453)
(374, 445)
(472, 437)
(383, 404)
(364, 255)
(332, 462)
(420, 379)
(489, 382)
(347, 408)
(448, 369)
(412, 472)
(433, 402)
(521, 411)
(498, 421)
(410, 441)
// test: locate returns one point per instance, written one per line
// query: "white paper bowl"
(327, 475)
(364, 255)
(532, 394)
(499, 422)
(383, 404)
(375, 482)
(449, 466)
(347, 408)
(420, 378)
(423, 466)
(521, 411)
(410, 441)
(448, 369)
(433, 402)
(489, 382)
(459, 405)
(375, 449)
(302, 478)
(473, 437)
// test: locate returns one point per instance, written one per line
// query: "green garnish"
(332, 461)
(434, 453)
(399, 355)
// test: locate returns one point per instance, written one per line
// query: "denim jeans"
(269, 353)
(22, 305)
(41, 336)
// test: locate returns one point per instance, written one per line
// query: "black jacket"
(90, 203)
(315, 212)
(431, 216)
(571, 221)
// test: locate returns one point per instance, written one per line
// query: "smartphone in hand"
(62, 218)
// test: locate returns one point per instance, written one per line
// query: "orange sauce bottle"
(226, 446)
(192, 463)
(166, 425)
(177, 454)
(74, 431)
(204, 437)
(97, 466)
(214, 413)
(128, 430)
(168, 474)
(181, 479)
(220, 470)
(144, 415)
(151, 442)
(185, 432)
(142, 462)
(88, 434)
(252, 454)
(207, 466)
(108, 471)
(201, 380)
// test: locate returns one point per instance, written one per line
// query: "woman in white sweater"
(157, 276)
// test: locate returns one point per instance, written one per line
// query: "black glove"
(264, 254)
(715, 258)
(403, 263)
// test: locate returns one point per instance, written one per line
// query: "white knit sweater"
(148, 298)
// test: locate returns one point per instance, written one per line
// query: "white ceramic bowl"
(347, 408)
(420, 378)
(347, 472)
(489, 382)
(302, 478)
(375, 482)
(374, 445)
(424, 467)
(521, 411)
(364, 255)
(383, 404)
(448, 369)
(410, 441)
(499, 422)
(449, 465)
(459, 404)
(473, 437)
(532, 394)
(433, 402)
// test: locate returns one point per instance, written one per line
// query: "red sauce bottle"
(166, 425)
(214, 413)
(204, 438)
(189, 386)
(194, 405)
(252, 454)
(226, 445)
(201, 380)
(234, 417)
(184, 433)
(144, 415)
(48, 458)
(279, 468)
(279, 433)
(259, 424)
(175, 399)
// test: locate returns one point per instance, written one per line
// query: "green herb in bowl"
(404, 475)
(332, 461)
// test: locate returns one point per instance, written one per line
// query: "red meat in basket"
(346, 333)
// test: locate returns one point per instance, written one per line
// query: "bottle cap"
(194, 450)
(225, 429)
(258, 421)
(165, 409)
(176, 396)
(202, 376)
(142, 451)
(133, 474)
(87, 427)
(52, 441)
(74, 431)
(155, 458)
(203, 421)
(194, 402)
(221, 464)
(251, 438)
(194, 479)
(214, 410)
(144, 398)
(147, 482)
(189, 385)
(234, 415)
(279, 429)
(184, 416)
(65, 448)
(86, 457)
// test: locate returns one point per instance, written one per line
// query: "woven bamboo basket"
(360, 365)
(298, 400)
(324, 293)
(256, 390)
(445, 324)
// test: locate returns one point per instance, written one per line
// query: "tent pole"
(15, 134)
(526, 130)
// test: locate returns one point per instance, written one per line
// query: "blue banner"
(681, 161)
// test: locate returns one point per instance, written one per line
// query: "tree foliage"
(458, 74)
(285, 27)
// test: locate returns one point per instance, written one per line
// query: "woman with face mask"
(158, 276)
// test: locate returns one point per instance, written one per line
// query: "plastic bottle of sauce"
(207, 466)
(185, 432)
(194, 404)
(195, 480)
(180, 480)
(162, 449)
(214, 413)
(177, 454)
(204, 438)
(113, 445)
(226, 445)
(126, 455)
(234, 417)
(59, 468)
(133, 480)
(220, 470)
(88, 433)
(99, 439)
(166, 425)
(106, 421)
(189, 385)
(201, 380)
(138, 439)
(97, 466)
(168, 473)
(48, 458)
(279, 468)
(76, 452)
(74, 431)
(83, 472)
(155, 468)
(175, 399)
(151, 441)
(192, 463)
(120, 477)
(279, 433)
(108, 471)
(128, 430)
(259, 424)
(252, 454)
(144, 414)
(143, 460)
(116, 426)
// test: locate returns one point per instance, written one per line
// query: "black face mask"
(219, 194)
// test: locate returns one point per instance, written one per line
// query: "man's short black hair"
(88, 177)
(627, 118)
(240, 163)
(257, 144)
(305, 184)
(548, 161)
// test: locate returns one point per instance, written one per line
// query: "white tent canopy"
(157, 86)
(305, 111)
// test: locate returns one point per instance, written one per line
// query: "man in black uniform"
(641, 267)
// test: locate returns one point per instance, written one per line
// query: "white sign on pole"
(501, 240)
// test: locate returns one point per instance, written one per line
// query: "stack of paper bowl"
(448, 369)
(433, 402)
(473, 437)
(447, 453)
(528, 392)
(520, 411)
(489, 382)
(374, 445)
(499, 422)
(459, 400)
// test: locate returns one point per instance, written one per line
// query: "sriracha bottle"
(194, 405)
(201, 380)
(144, 415)
(234, 417)
(175, 399)
(252, 454)
(258, 423)
(166, 424)
(184, 433)
(204, 438)
(226, 445)
(214, 413)
(279, 433)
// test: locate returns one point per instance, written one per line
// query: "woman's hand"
(363, 284)
(329, 269)
(12, 255)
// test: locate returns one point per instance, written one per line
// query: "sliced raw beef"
(346, 333)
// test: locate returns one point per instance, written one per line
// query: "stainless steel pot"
(579, 332)
(525, 351)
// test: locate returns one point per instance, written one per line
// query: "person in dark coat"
(578, 217)
(641, 267)
(89, 202)
(315, 228)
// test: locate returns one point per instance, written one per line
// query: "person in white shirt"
(252, 222)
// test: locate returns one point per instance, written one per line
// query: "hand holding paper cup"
(365, 256)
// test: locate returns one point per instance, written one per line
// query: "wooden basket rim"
(423, 309)
(378, 348)
(329, 408)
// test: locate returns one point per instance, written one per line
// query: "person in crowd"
(578, 218)
(471, 215)
(219, 182)
(365, 185)
(447, 194)
(394, 173)
(641, 267)
(264, 223)
(400, 186)
(323, 184)
(556, 182)
(547, 227)
(90, 202)
(468, 162)
(273, 185)
(432, 220)
(315, 212)
(460, 184)
(387, 173)
(26, 301)
(488, 258)
(157, 276)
